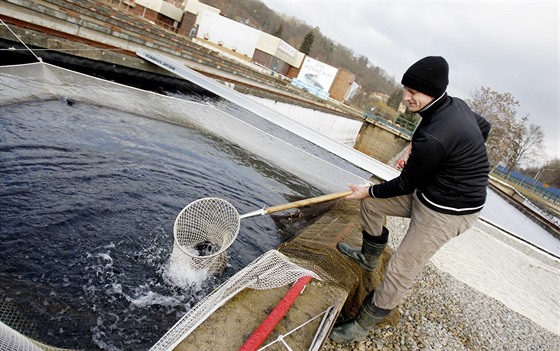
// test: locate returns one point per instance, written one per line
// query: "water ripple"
(88, 197)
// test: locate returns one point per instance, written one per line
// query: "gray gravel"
(442, 313)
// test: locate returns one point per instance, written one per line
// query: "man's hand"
(360, 192)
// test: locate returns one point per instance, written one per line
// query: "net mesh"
(270, 270)
(206, 227)
(203, 230)
(41, 81)
(11, 320)
(183, 265)
(315, 249)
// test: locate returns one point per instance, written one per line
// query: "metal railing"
(535, 187)
(397, 127)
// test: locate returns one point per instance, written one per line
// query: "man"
(442, 189)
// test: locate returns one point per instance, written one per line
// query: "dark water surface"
(88, 196)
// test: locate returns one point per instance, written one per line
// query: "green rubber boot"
(358, 328)
(372, 248)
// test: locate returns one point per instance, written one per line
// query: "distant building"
(205, 24)
(277, 55)
(380, 96)
(160, 12)
(343, 87)
(190, 18)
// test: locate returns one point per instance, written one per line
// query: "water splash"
(90, 196)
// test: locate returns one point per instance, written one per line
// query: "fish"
(206, 248)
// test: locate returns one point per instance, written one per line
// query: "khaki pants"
(427, 233)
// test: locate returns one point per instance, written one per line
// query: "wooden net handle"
(307, 202)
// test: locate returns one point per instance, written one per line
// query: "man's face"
(415, 99)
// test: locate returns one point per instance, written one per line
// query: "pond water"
(88, 197)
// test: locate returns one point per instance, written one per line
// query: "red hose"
(261, 333)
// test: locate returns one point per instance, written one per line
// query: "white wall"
(341, 129)
(228, 33)
(195, 7)
(162, 7)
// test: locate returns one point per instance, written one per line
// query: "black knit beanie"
(429, 75)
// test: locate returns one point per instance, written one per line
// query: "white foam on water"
(153, 298)
(181, 273)
(107, 257)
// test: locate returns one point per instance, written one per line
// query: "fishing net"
(314, 251)
(11, 320)
(203, 230)
(206, 227)
(270, 270)
(42, 81)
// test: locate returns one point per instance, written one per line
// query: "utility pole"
(539, 173)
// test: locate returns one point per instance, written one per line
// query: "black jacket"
(448, 165)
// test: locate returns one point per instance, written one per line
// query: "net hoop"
(210, 219)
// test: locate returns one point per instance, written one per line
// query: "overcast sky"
(507, 46)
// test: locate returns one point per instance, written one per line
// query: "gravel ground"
(442, 313)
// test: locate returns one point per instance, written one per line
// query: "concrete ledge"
(344, 285)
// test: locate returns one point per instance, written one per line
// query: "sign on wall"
(317, 74)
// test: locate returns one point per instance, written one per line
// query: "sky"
(507, 46)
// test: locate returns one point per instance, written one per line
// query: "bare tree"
(528, 145)
(500, 110)
(552, 177)
(549, 173)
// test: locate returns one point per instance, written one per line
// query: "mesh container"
(41, 81)
(16, 332)
(271, 270)
(206, 227)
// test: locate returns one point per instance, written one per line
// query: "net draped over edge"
(270, 270)
(43, 81)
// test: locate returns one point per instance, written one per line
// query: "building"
(160, 12)
(206, 25)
